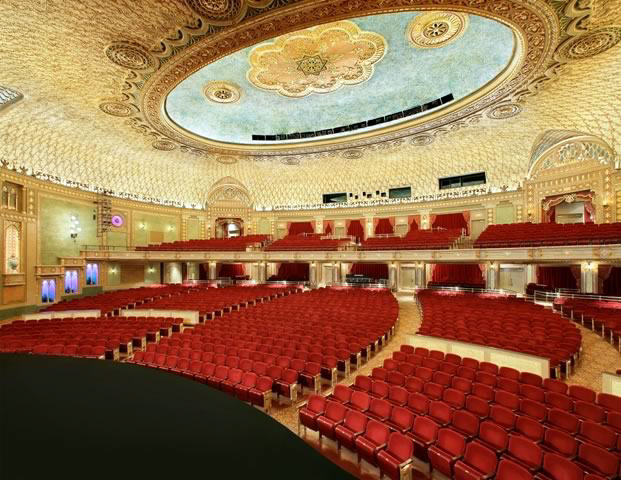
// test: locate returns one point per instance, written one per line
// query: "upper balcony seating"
(234, 244)
(308, 242)
(415, 240)
(483, 437)
(548, 234)
(501, 322)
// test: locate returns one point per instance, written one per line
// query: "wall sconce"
(171, 228)
(142, 226)
(74, 227)
(113, 270)
(151, 270)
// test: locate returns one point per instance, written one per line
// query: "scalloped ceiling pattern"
(58, 127)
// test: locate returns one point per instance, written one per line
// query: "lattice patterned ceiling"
(53, 52)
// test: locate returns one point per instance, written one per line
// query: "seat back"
(560, 442)
(380, 408)
(565, 421)
(356, 421)
(526, 451)
(466, 422)
(377, 432)
(494, 435)
(559, 468)
(335, 411)
(400, 447)
(360, 400)
(582, 393)
(452, 442)
(364, 383)
(529, 428)
(604, 462)
(508, 470)
(481, 458)
(402, 418)
(425, 428)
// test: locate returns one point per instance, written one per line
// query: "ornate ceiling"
(96, 122)
(340, 74)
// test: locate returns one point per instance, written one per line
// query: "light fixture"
(113, 270)
(74, 227)
(142, 225)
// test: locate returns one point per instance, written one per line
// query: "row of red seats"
(253, 385)
(603, 316)
(414, 240)
(305, 242)
(542, 234)
(117, 334)
(233, 244)
(212, 301)
(485, 415)
(109, 302)
(501, 322)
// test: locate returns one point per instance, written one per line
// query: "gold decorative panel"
(316, 60)
(59, 133)
(437, 29)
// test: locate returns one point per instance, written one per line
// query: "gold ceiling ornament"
(225, 12)
(320, 59)
(226, 159)
(290, 161)
(421, 140)
(589, 44)
(436, 29)
(8, 96)
(538, 28)
(352, 154)
(222, 92)
(131, 56)
(117, 109)
(505, 110)
(164, 145)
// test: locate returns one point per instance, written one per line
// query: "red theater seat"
(479, 463)
(354, 425)
(333, 416)
(395, 461)
(374, 439)
(424, 433)
(449, 448)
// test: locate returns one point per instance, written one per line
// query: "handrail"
(501, 291)
(550, 296)
(359, 285)
(286, 282)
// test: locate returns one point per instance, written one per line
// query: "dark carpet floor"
(64, 417)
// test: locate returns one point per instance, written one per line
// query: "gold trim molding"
(536, 24)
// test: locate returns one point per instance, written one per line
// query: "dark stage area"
(63, 417)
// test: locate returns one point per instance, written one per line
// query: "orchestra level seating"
(602, 316)
(548, 234)
(469, 420)
(503, 322)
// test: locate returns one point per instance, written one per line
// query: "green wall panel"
(55, 222)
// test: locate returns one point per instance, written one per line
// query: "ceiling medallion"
(290, 161)
(217, 9)
(421, 140)
(222, 92)
(352, 154)
(164, 145)
(590, 44)
(436, 29)
(316, 60)
(131, 55)
(506, 110)
(117, 109)
(226, 159)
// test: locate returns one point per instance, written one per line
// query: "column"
(263, 272)
(319, 225)
(493, 275)
(425, 224)
(172, 272)
(212, 271)
(312, 275)
(531, 273)
(336, 277)
(192, 270)
(589, 277)
(369, 226)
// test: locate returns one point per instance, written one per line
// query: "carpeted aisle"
(78, 418)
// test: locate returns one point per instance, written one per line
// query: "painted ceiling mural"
(342, 73)
(58, 130)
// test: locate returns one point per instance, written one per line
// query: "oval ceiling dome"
(342, 80)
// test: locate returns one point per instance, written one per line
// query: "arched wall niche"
(228, 198)
(565, 162)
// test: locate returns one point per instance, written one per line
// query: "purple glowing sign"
(117, 221)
